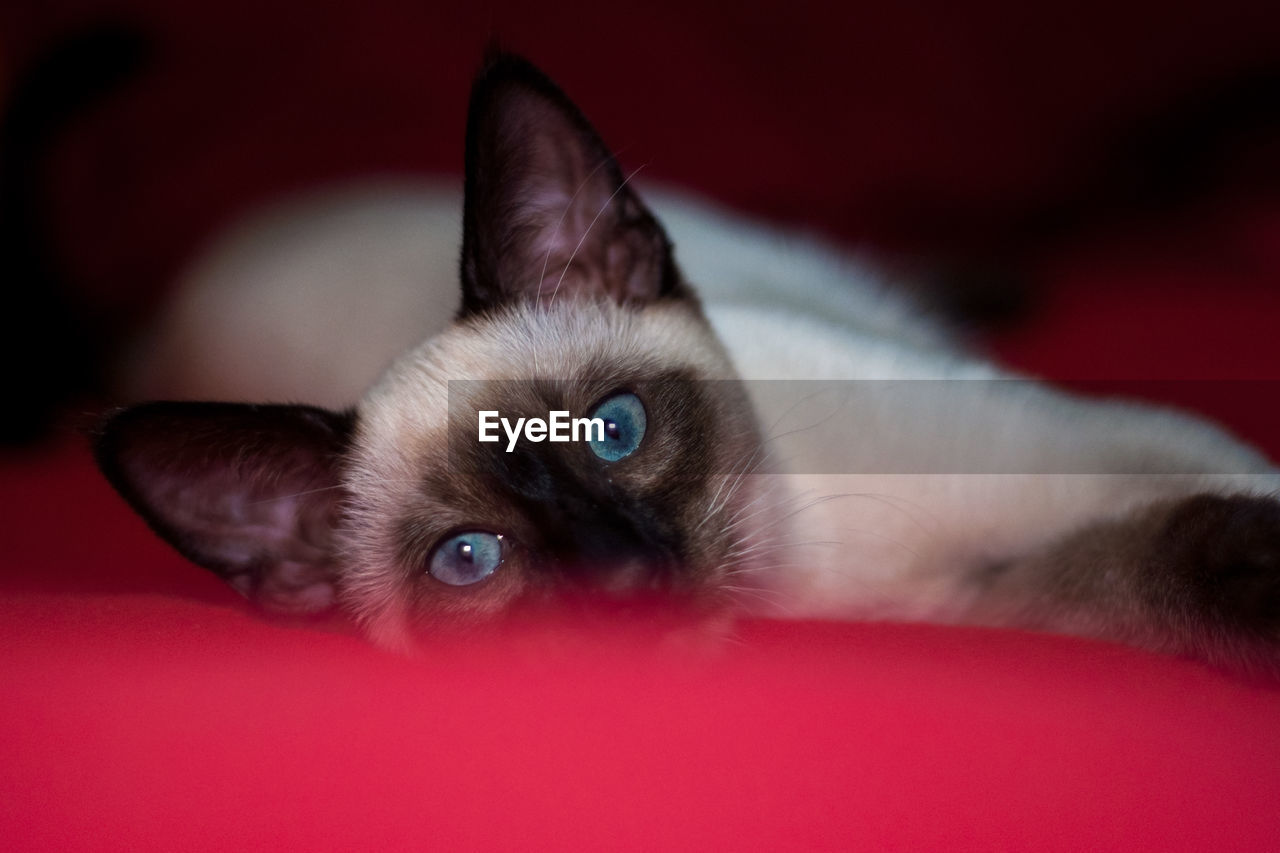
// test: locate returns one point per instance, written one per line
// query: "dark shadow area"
(52, 345)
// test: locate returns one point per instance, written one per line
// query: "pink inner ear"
(296, 588)
(564, 203)
(590, 250)
(273, 545)
(247, 491)
(549, 214)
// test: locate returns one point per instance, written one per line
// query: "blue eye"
(624, 423)
(466, 558)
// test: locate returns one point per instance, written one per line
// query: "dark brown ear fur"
(250, 492)
(548, 210)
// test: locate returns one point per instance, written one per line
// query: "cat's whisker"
(717, 505)
(896, 501)
(793, 513)
(778, 502)
(772, 436)
(711, 505)
(772, 598)
(407, 481)
(555, 233)
(729, 636)
(776, 507)
(772, 547)
(292, 495)
(599, 213)
(875, 535)
(756, 503)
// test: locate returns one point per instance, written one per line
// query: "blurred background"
(1093, 186)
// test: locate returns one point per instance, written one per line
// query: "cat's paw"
(1214, 573)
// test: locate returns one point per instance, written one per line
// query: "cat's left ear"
(252, 493)
(548, 210)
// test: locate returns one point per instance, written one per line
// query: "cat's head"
(397, 511)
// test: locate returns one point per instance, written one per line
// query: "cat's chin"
(656, 624)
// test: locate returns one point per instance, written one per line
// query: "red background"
(146, 707)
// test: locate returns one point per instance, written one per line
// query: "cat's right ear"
(548, 212)
(250, 492)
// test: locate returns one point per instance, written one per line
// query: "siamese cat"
(790, 439)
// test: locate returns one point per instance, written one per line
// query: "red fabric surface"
(146, 708)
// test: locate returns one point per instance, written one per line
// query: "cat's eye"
(466, 558)
(624, 423)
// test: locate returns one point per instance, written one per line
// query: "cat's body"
(903, 478)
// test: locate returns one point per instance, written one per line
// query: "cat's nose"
(626, 578)
(621, 575)
(613, 556)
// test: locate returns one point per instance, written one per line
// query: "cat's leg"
(1196, 576)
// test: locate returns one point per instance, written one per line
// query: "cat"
(792, 438)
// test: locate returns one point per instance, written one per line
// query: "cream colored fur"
(312, 299)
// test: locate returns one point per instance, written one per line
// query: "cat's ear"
(548, 210)
(249, 492)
